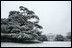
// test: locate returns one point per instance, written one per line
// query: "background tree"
(68, 36)
(59, 38)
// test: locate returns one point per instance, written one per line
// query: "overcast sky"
(55, 16)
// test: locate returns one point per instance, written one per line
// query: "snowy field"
(43, 44)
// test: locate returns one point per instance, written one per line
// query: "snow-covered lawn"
(43, 44)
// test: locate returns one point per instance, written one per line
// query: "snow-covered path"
(44, 44)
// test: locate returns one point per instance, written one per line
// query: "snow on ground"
(43, 44)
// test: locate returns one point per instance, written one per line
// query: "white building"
(51, 36)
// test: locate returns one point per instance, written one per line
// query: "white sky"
(55, 16)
